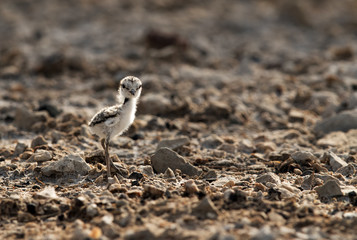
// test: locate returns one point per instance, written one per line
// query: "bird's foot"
(116, 170)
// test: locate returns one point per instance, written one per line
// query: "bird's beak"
(132, 91)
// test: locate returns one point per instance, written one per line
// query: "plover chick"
(114, 120)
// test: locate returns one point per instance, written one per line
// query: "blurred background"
(63, 55)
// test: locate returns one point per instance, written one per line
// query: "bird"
(115, 120)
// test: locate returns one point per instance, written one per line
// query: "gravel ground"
(246, 127)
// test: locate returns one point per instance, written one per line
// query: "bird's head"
(130, 87)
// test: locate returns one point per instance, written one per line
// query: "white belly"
(121, 123)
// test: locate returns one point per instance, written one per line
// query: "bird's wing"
(110, 116)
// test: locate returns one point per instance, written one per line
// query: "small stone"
(147, 169)
(212, 142)
(309, 182)
(169, 173)
(41, 156)
(296, 116)
(173, 144)
(47, 193)
(153, 191)
(210, 175)
(191, 187)
(20, 148)
(228, 148)
(265, 147)
(329, 189)
(38, 141)
(94, 157)
(269, 177)
(303, 157)
(336, 162)
(25, 155)
(136, 176)
(51, 108)
(297, 171)
(166, 158)
(117, 188)
(69, 164)
(96, 233)
(246, 146)
(92, 210)
(347, 171)
(218, 109)
(205, 209)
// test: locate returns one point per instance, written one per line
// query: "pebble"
(169, 173)
(69, 164)
(246, 146)
(20, 148)
(347, 171)
(173, 144)
(296, 116)
(117, 188)
(153, 191)
(47, 193)
(166, 158)
(329, 189)
(38, 141)
(41, 156)
(228, 148)
(92, 210)
(210, 175)
(303, 157)
(269, 177)
(335, 161)
(212, 142)
(146, 170)
(191, 187)
(205, 209)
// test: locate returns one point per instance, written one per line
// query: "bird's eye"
(123, 86)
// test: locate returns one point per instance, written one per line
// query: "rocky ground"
(246, 128)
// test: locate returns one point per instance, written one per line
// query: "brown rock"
(38, 141)
(166, 158)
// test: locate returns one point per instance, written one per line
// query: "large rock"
(166, 158)
(70, 164)
(343, 121)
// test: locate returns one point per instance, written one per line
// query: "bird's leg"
(107, 158)
(102, 142)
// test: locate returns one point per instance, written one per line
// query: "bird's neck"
(129, 101)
